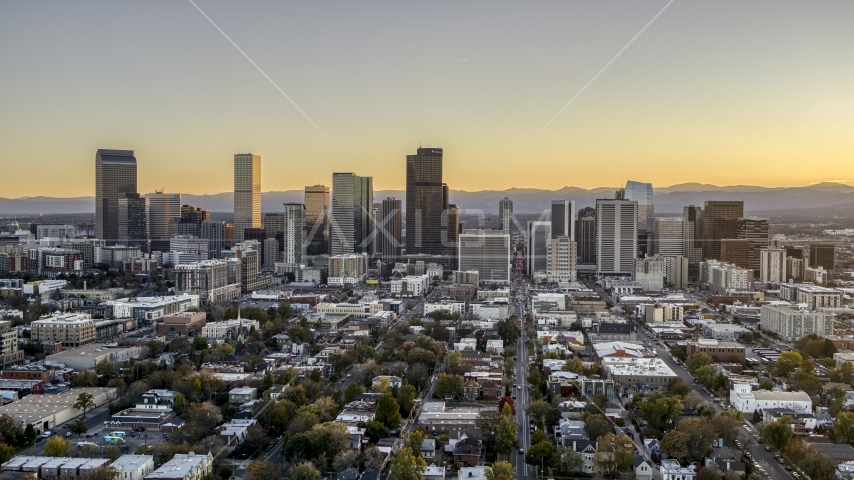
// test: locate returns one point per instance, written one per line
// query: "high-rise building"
(677, 271)
(650, 272)
(115, 174)
(487, 252)
(669, 236)
(755, 231)
(214, 233)
(247, 193)
(616, 236)
(317, 219)
(294, 247)
(642, 193)
(425, 199)
(735, 251)
(160, 209)
(692, 223)
(273, 223)
(505, 215)
(772, 265)
(586, 236)
(562, 260)
(190, 221)
(352, 203)
(823, 255)
(132, 220)
(720, 220)
(539, 234)
(452, 234)
(563, 219)
(389, 229)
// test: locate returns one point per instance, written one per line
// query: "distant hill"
(525, 200)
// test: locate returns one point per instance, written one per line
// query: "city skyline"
(682, 103)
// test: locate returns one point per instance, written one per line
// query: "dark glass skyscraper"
(642, 193)
(115, 174)
(132, 220)
(425, 200)
(352, 206)
(720, 220)
(389, 229)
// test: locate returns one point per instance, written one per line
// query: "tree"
(79, 427)
(806, 381)
(727, 427)
(673, 444)
(259, 470)
(659, 411)
(352, 391)
(615, 454)
(6, 452)
(452, 362)
(155, 348)
(375, 430)
(405, 396)
(543, 412)
(507, 401)
(573, 365)
(678, 386)
(505, 435)
(697, 360)
(788, 362)
(766, 384)
(345, 460)
(388, 411)
(200, 343)
(105, 367)
(449, 386)
(487, 422)
(56, 446)
(540, 454)
(843, 374)
(779, 433)
(86, 378)
(596, 426)
(679, 353)
(304, 471)
(406, 466)
(709, 473)
(843, 427)
(85, 401)
(699, 436)
(500, 470)
(569, 461)
(414, 441)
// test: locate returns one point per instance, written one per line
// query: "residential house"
(428, 449)
(433, 472)
(468, 452)
(242, 395)
(349, 474)
(133, 467)
(184, 467)
(673, 470)
(643, 469)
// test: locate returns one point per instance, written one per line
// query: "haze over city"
(724, 93)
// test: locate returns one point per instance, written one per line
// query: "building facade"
(616, 236)
(115, 175)
(505, 215)
(487, 252)
(563, 219)
(293, 249)
(539, 234)
(317, 219)
(720, 220)
(793, 323)
(772, 265)
(247, 193)
(425, 199)
(390, 229)
(352, 222)
(562, 260)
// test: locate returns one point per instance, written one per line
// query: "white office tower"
(294, 246)
(772, 265)
(651, 272)
(247, 193)
(488, 253)
(563, 219)
(352, 222)
(692, 226)
(160, 209)
(505, 214)
(616, 236)
(669, 236)
(677, 271)
(538, 233)
(562, 262)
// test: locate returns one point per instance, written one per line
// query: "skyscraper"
(692, 223)
(642, 193)
(772, 265)
(190, 222)
(505, 214)
(294, 247)
(352, 203)
(720, 220)
(487, 252)
(823, 255)
(452, 234)
(425, 198)
(132, 221)
(160, 209)
(616, 236)
(115, 174)
(563, 219)
(317, 219)
(755, 231)
(247, 193)
(586, 235)
(214, 233)
(669, 240)
(539, 234)
(389, 229)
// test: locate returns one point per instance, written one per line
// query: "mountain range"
(668, 200)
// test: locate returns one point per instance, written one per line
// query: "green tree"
(706, 376)
(181, 404)
(843, 374)
(56, 446)
(843, 427)
(406, 466)
(500, 470)
(375, 430)
(449, 386)
(85, 401)
(105, 367)
(540, 454)
(414, 441)
(615, 454)
(453, 363)
(778, 433)
(200, 343)
(86, 378)
(673, 444)
(266, 383)
(388, 411)
(699, 436)
(155, 348)
(766, 385)
(696, 361)
(6, 452)
(304, 471)
(79, 427)
(487, 422)
(596, 426)
(405, 396)
(678, 386)
(505, 435)
(660, 411)
(542, 412)
(259, 470)
(806, 381)
(574, 365)
(788, 362)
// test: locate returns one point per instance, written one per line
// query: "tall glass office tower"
(642, 193)
(115, 175)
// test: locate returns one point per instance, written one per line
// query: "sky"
(726, 93)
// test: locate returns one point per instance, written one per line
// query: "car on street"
(521, 451)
